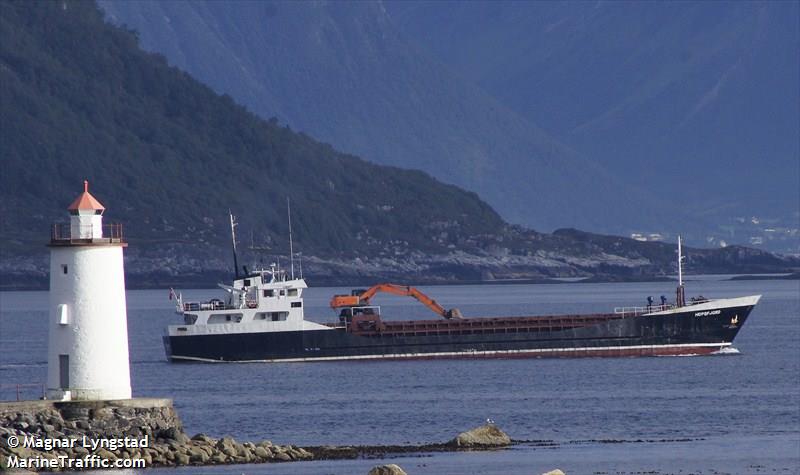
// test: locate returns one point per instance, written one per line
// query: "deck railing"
(211, 305)
(22, 391)
(624, 311)
(62, 233)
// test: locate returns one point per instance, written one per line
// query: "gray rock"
(305, 453)
(182, 459)
(225, 442)
(204, 438)
(174, 445)
(209, 450)
(173, 433)
(487, 435)
(80, 449)
(262, 453)
(196, 451)
(105, 454)
(199, 457)
(229, 451)
(241, 450)
(298, 453)
(390, 469)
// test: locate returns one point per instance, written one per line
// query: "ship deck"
(479, 325)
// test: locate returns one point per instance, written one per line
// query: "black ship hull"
(687, 332)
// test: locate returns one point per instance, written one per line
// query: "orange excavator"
(361, 297)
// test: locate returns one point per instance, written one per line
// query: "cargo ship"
(261, 319)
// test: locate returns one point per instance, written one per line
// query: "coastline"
(16, 282)
(147, 432)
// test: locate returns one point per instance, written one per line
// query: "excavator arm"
(360, 298)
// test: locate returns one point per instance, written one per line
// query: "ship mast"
(680, 299)
(233, 241)
(291, 249)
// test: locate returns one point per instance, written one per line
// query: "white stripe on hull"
(748, 301)
(447, 354)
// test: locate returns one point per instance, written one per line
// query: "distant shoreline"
(9, 283)
(792, 276)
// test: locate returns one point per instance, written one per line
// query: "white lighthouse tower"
(88, 327)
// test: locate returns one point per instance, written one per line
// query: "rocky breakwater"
(485, 436)
(54, 436)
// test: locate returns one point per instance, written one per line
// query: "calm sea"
(736, 413)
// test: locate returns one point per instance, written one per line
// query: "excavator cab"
(349, 312)
(362, 318)
(359, 298)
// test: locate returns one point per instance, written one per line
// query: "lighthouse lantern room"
(88, 327)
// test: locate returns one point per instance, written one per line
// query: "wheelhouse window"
(224, 318)
(279, 316)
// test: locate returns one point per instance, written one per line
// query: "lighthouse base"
(76, 394)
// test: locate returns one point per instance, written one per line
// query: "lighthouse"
(88, 326)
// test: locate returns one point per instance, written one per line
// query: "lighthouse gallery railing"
(62, 233)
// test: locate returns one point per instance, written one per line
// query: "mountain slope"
(696, 99)
(343, 73)
(169, 157)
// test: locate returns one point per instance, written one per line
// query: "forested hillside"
(342, 72)
(169, 157)
(617, 117)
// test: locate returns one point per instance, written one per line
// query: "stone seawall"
(49, 435)
(150, 428)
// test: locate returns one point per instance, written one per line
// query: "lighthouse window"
(64, 268)
(63, 314)
(63, 371)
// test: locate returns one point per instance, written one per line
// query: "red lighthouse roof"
(86, 201)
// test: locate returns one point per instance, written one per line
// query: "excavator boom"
(362, 297)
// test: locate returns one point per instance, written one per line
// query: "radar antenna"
(680, 299)
(233, 242)
(291, 249)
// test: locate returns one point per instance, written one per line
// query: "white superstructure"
(263, 301)
(88, 327)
